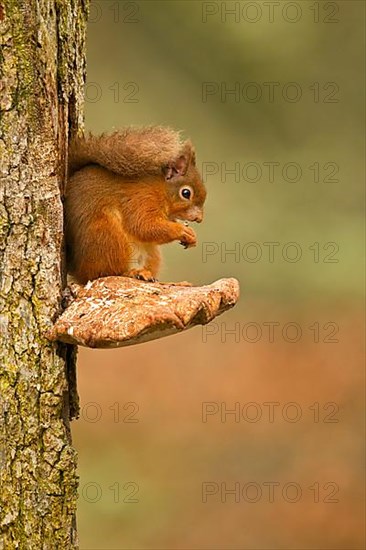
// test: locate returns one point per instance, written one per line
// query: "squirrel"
(126, 194)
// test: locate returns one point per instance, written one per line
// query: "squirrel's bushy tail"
(132, 152)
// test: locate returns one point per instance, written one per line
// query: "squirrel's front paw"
(142, 275)
(188, 237)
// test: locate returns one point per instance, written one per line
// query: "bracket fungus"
(112, 312)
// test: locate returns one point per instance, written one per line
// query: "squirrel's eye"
(185, 192)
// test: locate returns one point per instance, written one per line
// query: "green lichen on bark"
(42, 71)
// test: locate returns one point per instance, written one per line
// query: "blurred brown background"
(292, 365)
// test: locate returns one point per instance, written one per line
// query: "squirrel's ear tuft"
(180, 166)
(189, 152)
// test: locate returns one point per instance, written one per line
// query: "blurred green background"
(153, 62)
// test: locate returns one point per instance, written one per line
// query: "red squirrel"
(126, 194)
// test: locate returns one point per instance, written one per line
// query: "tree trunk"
(42, 70)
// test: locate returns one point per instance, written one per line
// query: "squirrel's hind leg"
(104, 250)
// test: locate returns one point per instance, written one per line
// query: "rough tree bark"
(41, 100)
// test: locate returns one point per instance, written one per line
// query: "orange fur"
(115, 222)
